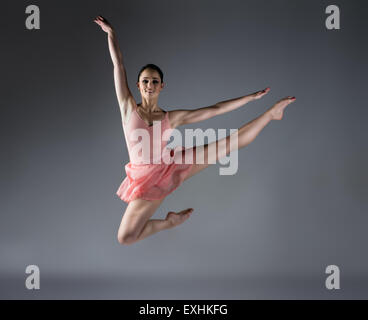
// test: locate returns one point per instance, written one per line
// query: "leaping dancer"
(146, 185)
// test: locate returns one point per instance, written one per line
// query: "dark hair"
(153, 67)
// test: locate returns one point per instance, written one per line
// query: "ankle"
(169, 224)
(268, 114)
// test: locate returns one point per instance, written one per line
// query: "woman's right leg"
(246, 134)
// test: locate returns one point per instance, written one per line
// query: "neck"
(150, 105)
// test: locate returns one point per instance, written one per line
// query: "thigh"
(137, 213)
(208, 154)
(200, 155)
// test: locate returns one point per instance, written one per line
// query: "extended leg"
(246, 134)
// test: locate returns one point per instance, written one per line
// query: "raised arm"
(182, 116)
(120, 78)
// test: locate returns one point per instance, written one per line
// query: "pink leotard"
(150, 175)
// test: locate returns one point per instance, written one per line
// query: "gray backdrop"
(296, 205)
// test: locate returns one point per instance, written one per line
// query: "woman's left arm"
(181, 117)
(232, 104)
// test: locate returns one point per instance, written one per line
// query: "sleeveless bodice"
(146, 144)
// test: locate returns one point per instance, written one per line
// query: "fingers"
(260, 94)
(99, 19)
(265, 90)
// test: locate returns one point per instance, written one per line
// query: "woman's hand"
(104, 24)
(260, 94)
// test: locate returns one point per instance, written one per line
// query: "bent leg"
(136, 215)
(172, 220)
(135, 224)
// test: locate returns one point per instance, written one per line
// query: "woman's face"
(150, 83)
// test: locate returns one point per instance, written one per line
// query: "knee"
(126, 238)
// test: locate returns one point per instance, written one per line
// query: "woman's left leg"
(172, 220)
(137, 225)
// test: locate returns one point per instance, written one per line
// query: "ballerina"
(146, 185)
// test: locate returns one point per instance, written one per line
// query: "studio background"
(296, 205)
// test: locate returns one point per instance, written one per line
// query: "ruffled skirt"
(152, 181)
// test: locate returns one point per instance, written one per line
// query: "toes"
(190, 211)
(186, 213)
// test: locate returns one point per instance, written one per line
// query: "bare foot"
(260, 94)
(277, 110)
(178, 218)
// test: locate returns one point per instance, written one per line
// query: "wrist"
(249, 97)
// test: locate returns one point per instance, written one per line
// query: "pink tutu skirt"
(151, 181)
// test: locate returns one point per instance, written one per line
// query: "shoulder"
(172, 117)
(176, 117)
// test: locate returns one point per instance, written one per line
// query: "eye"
(144, 81)
(155, 81)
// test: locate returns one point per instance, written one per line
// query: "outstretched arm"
(181, 117)
(121, 84)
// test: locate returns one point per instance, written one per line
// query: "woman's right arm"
(121, 84)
